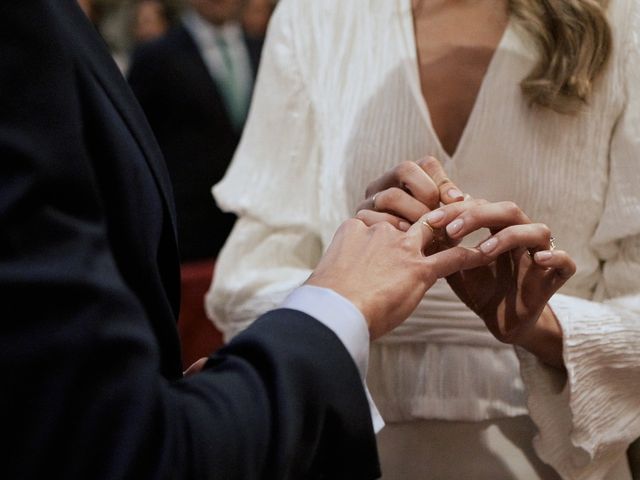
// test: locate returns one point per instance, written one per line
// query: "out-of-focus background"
(126, 23)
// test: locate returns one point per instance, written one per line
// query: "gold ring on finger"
(426, 224)
(373, 200)
(443, 181)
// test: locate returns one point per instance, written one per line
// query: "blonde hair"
(574, 44)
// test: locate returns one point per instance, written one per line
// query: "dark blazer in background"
(188, 116)
(89, 359)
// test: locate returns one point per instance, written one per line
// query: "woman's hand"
(406, 192)
(511, 292)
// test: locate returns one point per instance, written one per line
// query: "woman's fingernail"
(435, 216)
(404, 226)
(455, 193)
(489, 245)
(543, 256)
(454, 227)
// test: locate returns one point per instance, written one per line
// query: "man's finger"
(452, 260)
(423, 233)
(449, 192)
(370, 218)
(559, 260)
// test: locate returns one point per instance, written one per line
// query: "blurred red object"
(198, 337)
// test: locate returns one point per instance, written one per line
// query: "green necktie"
(231, 90)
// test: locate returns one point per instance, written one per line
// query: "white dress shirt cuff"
(346, 321)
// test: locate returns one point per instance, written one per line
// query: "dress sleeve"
(272, 186)
(588, 417)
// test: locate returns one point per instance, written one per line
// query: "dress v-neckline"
(405, 17)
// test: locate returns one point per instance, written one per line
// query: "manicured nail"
(404, 226)
(489, 245)
(543, 256)
(435, 216)
(454, 227)
(455, 194)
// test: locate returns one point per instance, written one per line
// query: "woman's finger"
(370, 217)
(530, 236)
(462, 218)
(447, 190)
(409, 177)
(559, 260)
(399, 203)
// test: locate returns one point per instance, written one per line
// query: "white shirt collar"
(205, 32)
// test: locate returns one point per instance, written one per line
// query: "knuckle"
(433, 196)
(405, 169)
(382, 227)
(394, 195)
(511, 207)
(431, 162)
(406, 243)
(362, 214)
(351, 224)
(545, 230)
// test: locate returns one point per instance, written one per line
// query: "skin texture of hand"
(510, 290)
(408, 191)
(383, 271)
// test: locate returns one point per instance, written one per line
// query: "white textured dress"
(337, 103)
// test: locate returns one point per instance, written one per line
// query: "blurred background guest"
(150, 21)
(88, 9)
(256, 17)
(195, 85)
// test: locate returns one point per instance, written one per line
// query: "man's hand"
(383, 271)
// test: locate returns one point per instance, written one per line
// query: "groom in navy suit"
(92, 386)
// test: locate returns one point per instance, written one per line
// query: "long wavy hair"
(574, 43)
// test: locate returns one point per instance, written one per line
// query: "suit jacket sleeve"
(82, 396)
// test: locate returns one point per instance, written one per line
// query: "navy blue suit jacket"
(89, 356)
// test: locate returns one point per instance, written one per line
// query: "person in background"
(195, 85)
(530, 102)
(87, 8)
(255, 19)
(150, 21)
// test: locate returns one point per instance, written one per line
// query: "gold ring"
(552, 246)
(426, 224)
(373, 200)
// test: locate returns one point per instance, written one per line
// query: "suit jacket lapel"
(197, 69)
(99, 58)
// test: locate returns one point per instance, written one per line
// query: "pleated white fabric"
(337, 103)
